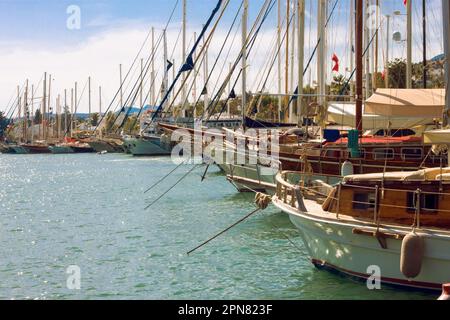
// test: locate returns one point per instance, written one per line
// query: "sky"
(36, 38)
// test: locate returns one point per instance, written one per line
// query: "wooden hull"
(61, 150)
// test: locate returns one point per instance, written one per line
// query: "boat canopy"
(437, 136)
(415, 103)
(431, 174)
(343, 114)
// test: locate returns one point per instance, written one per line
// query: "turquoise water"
(88, 210)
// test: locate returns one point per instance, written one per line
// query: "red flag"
(335, 59)
(405, 2)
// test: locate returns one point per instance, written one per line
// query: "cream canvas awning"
(437, 136)
(343, 114)
(416, 103)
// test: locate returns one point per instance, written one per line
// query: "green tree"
(339, 86)
(94, 119)
(397, 73)
(38, 117)
(3, 124)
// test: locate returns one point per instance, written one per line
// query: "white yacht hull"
(333, 244)
(150, 146)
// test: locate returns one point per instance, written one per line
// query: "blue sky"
(35, 39)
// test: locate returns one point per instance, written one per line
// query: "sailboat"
(395, 222)
(153, 141)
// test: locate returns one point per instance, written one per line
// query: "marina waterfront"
(88, 210)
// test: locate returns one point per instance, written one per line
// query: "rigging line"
(191, 54)
(134, 62)
(148, 93)
(276, 56)
(265, 10)
(287, 237)
(221, 91)
(250, 47)
(347, 82)
(221, 50)
(224, 65)
(131, 98)
(173, 186)
(13, 106)
(154, 80)
(9, 101)
(315, 50)
(273, 51)
(77, 103)
(223, 231)
(166, 176)
(249, 42)
(146, 97)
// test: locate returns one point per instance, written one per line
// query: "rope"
(173, 186)
(222, 232)
(163, 178)
(262, 200)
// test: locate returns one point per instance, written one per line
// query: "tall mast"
(424, 27)
(351, 42)
(183, 94)
(32, 113)
(44, 103)
(19, 101)
(286, 63)
(409, 45)
(292, 89)
(359, 63)
(121, 86)
(65, 112)
(100, 100)
(165, 85)
(205, 75)
(18, 105)
(321, 52)
(279, 61)
(71, 111)
(230, 67)
(48, 104)
(446, 26)
(366, 44)
(376, 47)
(74, 120)
(244, 60)
(25, 112)
(152, 83)
(300, 55)
(194, 87)
(388, 34)
(141, 87)
(58, 116)
(89, 97)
